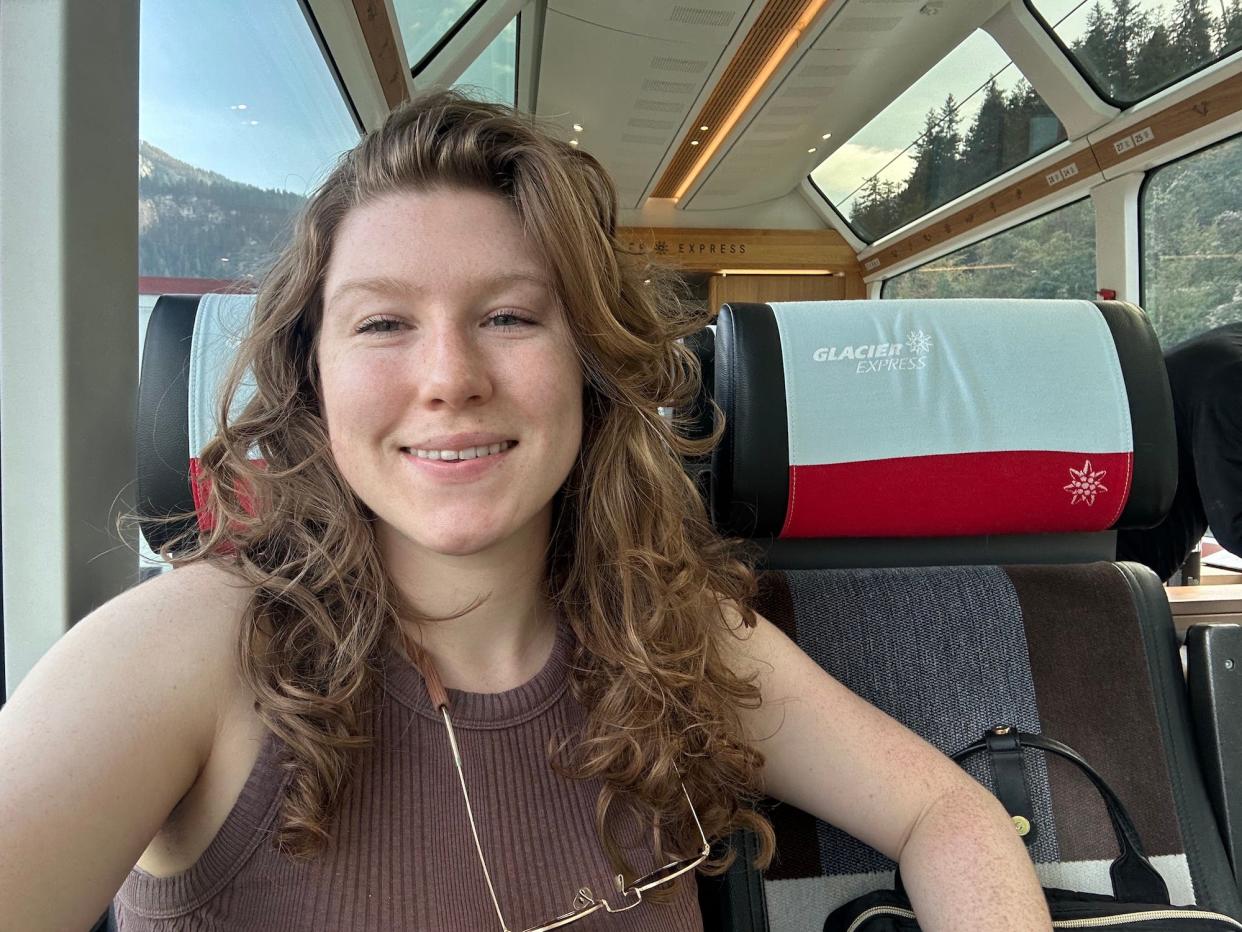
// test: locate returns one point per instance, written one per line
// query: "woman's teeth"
(469, 453)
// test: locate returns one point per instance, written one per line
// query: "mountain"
(198, 224)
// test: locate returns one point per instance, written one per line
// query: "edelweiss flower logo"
(919, 342)
(1085, 484)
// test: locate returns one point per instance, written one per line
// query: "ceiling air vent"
(684, 65)
(868, 24)
(651, 124)
(824, 71)
(699, 16)
(791, 110)
(658, 106)
(668, 87)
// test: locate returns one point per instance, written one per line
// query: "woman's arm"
(842, 760)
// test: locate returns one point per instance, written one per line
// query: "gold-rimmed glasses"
(584, 902)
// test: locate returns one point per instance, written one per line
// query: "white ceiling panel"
(631, 74)
(868, 54)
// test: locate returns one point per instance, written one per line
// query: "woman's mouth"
(467, 453)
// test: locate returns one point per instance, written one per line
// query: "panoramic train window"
(235, 128)
(978, 116)
(1191, 218)
(1052, 256)
(1129, 49)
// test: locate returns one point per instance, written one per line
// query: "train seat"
(880, 611)
(934, 486)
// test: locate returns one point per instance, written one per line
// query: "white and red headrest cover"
(930, 418)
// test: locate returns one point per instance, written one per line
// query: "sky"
(239, 87)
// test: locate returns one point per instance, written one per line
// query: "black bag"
(1140, 900)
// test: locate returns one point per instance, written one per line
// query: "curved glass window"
(235, 128)
(1052, 256)
(977, 118)
(493, 75)
(423, 23)
(1191, 218)
(1130, 49)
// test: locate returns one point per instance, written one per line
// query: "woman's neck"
(497, 645)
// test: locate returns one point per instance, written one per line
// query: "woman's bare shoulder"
(188, 617)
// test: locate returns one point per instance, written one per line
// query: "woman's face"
(450, 385)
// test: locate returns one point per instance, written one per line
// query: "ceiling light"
(577, 127)
(791, 37)
(812, 149)
(573, 142)
(826, 136)
(694, 142)
(776, 272)
(702, 129)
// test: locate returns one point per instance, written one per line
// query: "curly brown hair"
(635, 567)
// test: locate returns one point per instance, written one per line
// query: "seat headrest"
(190, 344)
(940, 418)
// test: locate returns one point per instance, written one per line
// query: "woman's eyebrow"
(379, 285)
(387, 285)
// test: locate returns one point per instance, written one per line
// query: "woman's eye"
(508, 321)
(378, 325)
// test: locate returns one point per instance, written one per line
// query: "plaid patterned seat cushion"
(1084, 654)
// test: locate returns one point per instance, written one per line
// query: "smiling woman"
(459, 648)
(459, 481)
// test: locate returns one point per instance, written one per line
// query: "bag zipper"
(1150, 914)
(1097, 922)
(879, 910)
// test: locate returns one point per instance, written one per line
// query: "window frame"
(1047, 213)
(1094, 84)
(846, 220)
(322, 43)
(449, 35)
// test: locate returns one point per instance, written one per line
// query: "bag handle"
(1134, 878)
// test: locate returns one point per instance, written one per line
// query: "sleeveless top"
(401, 856)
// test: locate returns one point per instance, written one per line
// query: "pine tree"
(981, 149)
(1157, 60)
(1191, 35)
(1229, 33)
(1094, 51)
(1127, 29)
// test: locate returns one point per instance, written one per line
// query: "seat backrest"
(880, 492)
(189, 345)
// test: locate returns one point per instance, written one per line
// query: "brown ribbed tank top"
(401, 855)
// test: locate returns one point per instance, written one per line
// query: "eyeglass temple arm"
(439, 699)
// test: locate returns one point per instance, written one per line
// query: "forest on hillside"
(1191, 210)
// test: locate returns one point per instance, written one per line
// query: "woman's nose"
(455, 371)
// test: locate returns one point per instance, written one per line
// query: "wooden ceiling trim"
(713, 250)
(1131, 144)
(764, 37)
(1186, 116)
(381, 39)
